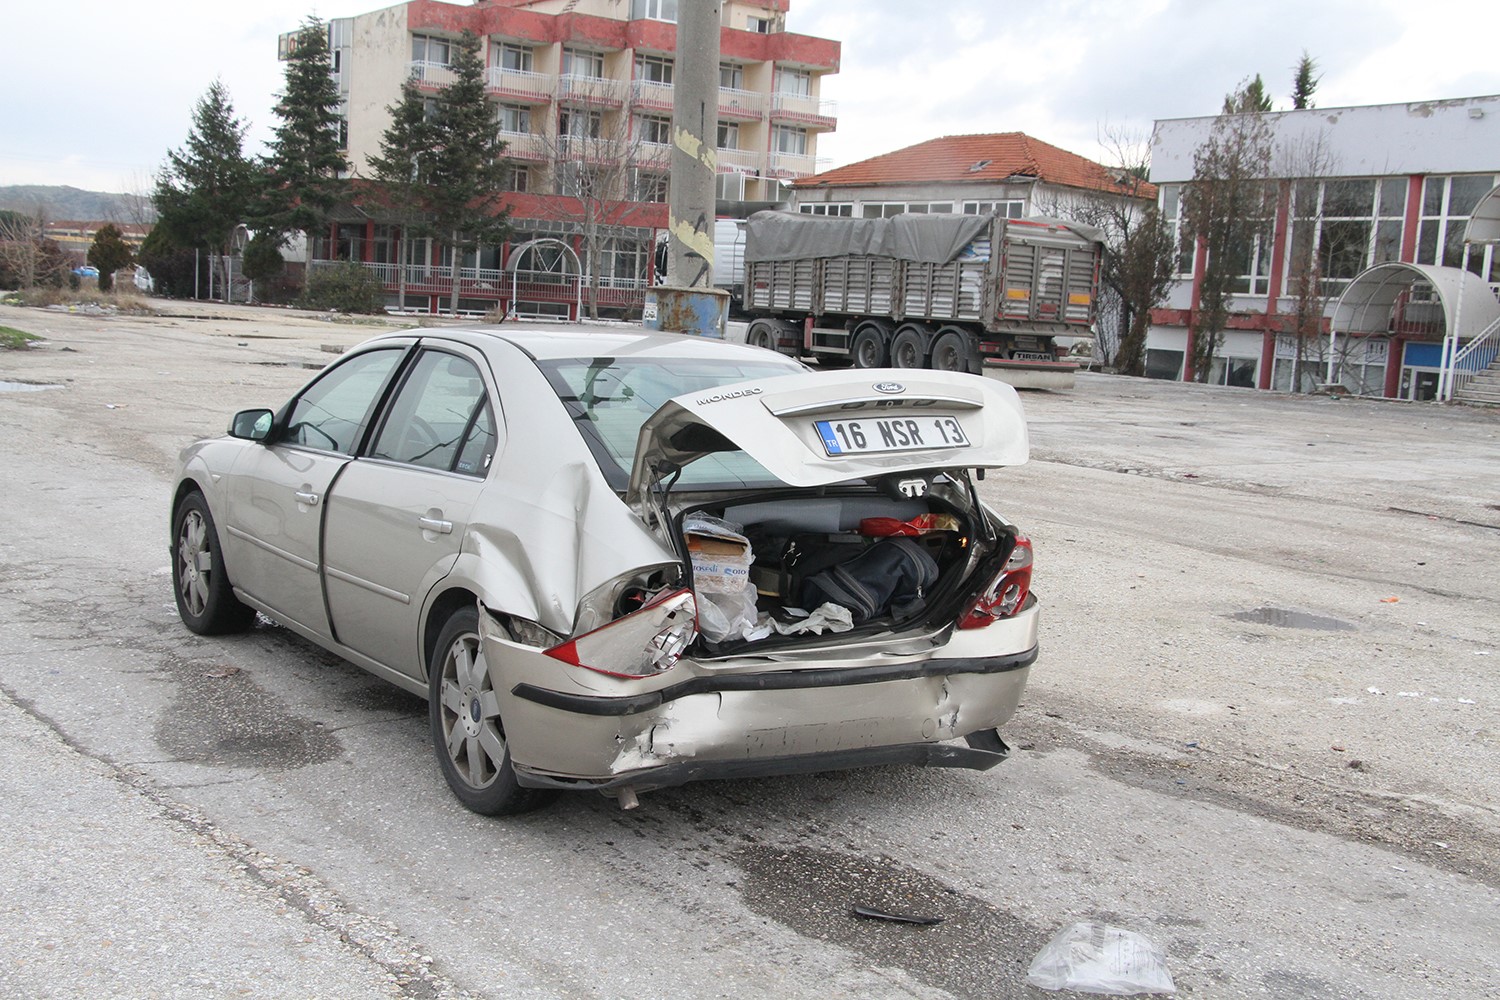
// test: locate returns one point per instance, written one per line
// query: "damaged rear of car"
(831, 591)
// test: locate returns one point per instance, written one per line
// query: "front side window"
(331, 412)
(440, 418)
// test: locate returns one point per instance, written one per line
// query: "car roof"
(556, 341)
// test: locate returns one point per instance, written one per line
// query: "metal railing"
(1468, 360)
(523, 285)
(650, 94)
(431, 74)
(520, 83)
(741, 104)
(803, 108)
(741, 160)
(790, 165)
(596, 90)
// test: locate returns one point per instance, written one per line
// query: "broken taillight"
(640, 644)
(1006, 594)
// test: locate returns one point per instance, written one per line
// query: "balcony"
(740, 161)
(430, 74)
(596, 91)
(649, 94)
(800, 109)
(741, 105)
(517, 85)
(525, 146)
(784, 165)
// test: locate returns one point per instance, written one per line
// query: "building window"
(789, 139)
(793, 81)
(1006, 209)
(582, 62)
(654, 69)
(515, 58)
(649, 186)
(1447, 203)
(1171, 213)
(843, 209)
(759, 25)
(729, 135)
(514, 118)
(653, 10)
(519, 179)
(655, 130)
(731, 76)
(730, 186)
(577, 123)
(886, 209)
(427, 49)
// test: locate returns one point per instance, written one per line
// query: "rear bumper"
(726, 722)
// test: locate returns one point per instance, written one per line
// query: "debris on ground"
(1100, 958)
(870, 913)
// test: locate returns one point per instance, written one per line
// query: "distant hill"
(57, 202)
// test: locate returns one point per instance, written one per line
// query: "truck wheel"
(954, 352)
(868, 348)
(762, 334)
(907, 350)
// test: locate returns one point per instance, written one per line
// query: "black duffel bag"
(892, 574)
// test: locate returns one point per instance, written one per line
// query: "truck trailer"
(975, 293)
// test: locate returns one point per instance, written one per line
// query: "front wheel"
(205, 600)
(464, 713)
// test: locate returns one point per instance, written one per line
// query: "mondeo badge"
(889, 387)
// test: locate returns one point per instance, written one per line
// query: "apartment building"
(1376, 205)
(585, 85)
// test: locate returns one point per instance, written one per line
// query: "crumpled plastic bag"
(828, 616)
(1101, 958)
(721, 559)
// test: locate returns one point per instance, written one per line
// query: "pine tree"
(468, 165)
(1251, 98)
(1304, 82)
(109, 252)
(306, 158)
(402, 170)
(206, 189)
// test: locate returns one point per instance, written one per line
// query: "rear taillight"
(640, 644)
(1006, 594)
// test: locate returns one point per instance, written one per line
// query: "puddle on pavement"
(221, 717)
(27, 386)
(1282, 618)
(812, 892)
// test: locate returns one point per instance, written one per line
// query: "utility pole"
(687, 301)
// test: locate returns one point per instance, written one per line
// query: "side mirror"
(252, 425)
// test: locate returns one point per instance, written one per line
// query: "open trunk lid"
(819, 428)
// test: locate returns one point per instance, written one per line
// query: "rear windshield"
(609, 399)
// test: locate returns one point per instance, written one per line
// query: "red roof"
(980, 159)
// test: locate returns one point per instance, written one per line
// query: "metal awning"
(1365, 306)
(1484, 225)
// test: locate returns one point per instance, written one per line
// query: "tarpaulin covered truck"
(975, 293)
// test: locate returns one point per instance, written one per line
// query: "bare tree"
(1224, 208)
(614, 162)
(27, 257)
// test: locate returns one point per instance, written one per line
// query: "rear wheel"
(762, 334)
(868, 348)
(205, 601)
(954, 352)
(467, 736)
(907, 350)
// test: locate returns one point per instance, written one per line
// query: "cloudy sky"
(94, 92)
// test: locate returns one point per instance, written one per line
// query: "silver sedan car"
(618, 561)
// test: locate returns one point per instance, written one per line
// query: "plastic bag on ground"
(1100, 958)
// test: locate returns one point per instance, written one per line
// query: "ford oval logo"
(889, 387)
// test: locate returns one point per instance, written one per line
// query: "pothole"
(1283, 618)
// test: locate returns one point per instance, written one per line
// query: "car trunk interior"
(893, 562)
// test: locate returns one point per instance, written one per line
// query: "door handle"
(435, 524)
(303, 496)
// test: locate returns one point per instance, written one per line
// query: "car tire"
(908, 349)
(954, 352)
(868, 348)
(205, 599)
(466, 732)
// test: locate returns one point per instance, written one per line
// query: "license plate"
(877, 434)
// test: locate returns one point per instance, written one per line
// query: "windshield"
(609, 399)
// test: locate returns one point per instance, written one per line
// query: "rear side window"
(440, 418)
(330, 413)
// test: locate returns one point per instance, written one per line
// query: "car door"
(276, 492)
(397, 515)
